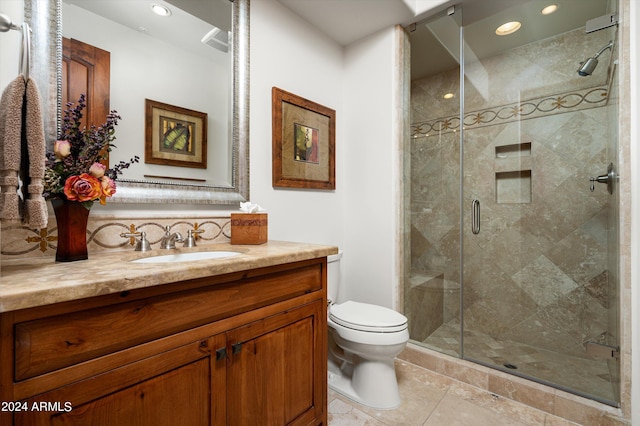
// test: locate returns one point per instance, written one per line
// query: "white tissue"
(250, 207)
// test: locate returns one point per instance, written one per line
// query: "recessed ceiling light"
(508, 28)
(448, 95)
(160, 10)
(549, 9)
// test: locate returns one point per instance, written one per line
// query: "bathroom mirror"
(226, 178)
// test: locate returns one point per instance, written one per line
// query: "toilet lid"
(366, 317)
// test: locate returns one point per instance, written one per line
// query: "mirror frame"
(45, 60)
(48, 16)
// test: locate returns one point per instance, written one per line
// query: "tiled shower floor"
(589, 376)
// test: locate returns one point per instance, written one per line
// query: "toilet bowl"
(364, 340)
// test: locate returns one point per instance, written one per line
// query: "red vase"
(72, 218)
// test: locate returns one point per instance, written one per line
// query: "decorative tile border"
(104, 234)
(534, 108)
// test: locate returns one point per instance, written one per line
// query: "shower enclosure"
(513, 199)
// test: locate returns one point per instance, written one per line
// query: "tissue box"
(249, 228)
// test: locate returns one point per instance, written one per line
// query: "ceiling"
(346, 21)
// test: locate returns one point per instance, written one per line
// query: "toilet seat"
(367, 317)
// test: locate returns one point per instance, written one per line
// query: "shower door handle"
(608, 179)
(475, 216)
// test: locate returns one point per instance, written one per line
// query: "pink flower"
(82, 188)
(97, 170)
(61, 149)
(108, 188)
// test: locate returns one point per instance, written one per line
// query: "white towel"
(34, 211)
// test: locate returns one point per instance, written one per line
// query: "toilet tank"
(333, 276)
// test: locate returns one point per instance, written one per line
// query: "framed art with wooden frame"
(175, 136)
(303, 142)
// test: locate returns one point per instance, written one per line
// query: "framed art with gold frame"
(303, 142)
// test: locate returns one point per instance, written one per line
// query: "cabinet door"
(277, 370)
(183, 386)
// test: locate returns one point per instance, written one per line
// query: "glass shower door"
(539, 271)
(432, 287)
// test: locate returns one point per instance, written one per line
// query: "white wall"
(290, 54)
(357, 82)
(10, 42)
(370, 218)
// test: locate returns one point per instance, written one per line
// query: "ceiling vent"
(217, 39)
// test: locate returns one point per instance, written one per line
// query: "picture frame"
(175, 136)
(303, 142)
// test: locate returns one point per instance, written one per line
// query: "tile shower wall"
(103, 234)
(537, 272)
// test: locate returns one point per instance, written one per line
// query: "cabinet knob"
(236, 348)
(221, 354)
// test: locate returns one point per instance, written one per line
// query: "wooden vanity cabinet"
(192, 356)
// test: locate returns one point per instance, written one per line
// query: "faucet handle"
(142, 244)
(191, 240)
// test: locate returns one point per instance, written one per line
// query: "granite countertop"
(27, 283)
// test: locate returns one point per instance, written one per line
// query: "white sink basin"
(187, 257)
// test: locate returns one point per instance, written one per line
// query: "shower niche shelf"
(514, 150)
(513, 187)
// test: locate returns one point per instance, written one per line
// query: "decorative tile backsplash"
(103, 233)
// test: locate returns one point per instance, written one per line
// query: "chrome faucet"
(169, 240)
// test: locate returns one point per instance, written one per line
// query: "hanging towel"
(10, 141)
(21, 125)
(35, 206)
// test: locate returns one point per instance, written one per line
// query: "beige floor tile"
(342, 413)
(456, 411)
(501, 407)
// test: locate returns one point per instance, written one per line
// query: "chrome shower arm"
(608, 46)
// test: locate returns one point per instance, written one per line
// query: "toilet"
(364, 340)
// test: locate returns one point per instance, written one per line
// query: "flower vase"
(72, 218)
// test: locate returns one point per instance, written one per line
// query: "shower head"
(587, 67)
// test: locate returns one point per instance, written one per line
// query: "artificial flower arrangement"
(73, 170)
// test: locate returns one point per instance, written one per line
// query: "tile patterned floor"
(431, 399)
